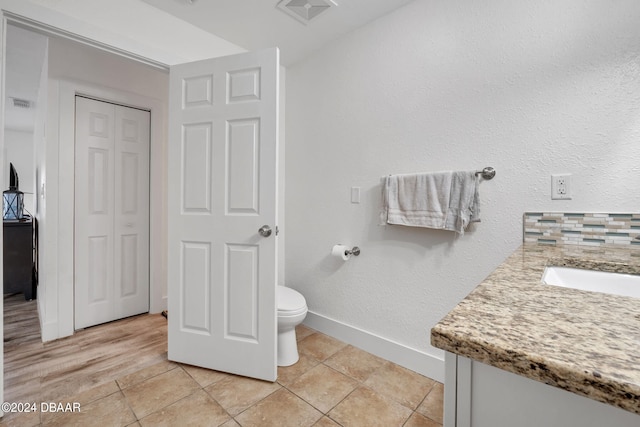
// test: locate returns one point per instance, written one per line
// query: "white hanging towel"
(417, 200)
(464, 202)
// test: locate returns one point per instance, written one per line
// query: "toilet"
(292, 309)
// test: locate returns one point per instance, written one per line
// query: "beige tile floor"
(333, 384)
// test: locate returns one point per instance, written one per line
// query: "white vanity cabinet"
(479, 395)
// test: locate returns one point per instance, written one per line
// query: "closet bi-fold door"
(111, 253)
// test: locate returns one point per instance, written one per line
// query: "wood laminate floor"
(37, 371)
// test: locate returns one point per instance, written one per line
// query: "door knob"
(265, 231)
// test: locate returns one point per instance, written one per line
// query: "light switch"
(355, 194)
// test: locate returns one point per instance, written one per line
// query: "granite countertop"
(584, 342)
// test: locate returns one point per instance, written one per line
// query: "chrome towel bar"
(487, 173)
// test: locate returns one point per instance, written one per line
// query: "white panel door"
(223, 146)
(94, 216)
(131, 210)
(111, 241)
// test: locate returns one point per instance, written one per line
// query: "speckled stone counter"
(584, 342)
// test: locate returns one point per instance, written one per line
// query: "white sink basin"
(590, 280)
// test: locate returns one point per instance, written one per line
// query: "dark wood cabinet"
(18, 244)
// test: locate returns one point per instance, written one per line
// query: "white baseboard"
(415, 360)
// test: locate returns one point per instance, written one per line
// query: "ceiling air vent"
(305, 10)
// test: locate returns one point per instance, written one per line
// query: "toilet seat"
(290, 302)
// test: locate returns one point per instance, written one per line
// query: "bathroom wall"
(529, 88)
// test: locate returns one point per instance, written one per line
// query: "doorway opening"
(70, 68)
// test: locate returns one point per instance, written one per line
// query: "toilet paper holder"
(353, 251)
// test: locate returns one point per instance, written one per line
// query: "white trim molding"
(415, 360)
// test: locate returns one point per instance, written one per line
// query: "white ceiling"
(257, 24)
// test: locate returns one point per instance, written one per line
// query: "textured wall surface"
(530, 88)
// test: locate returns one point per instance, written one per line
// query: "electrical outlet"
(561, 186)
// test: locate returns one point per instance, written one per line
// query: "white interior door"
(223, 152)
(131, 210)
(111, 259)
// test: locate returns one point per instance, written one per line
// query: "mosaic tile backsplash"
(589, 229)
